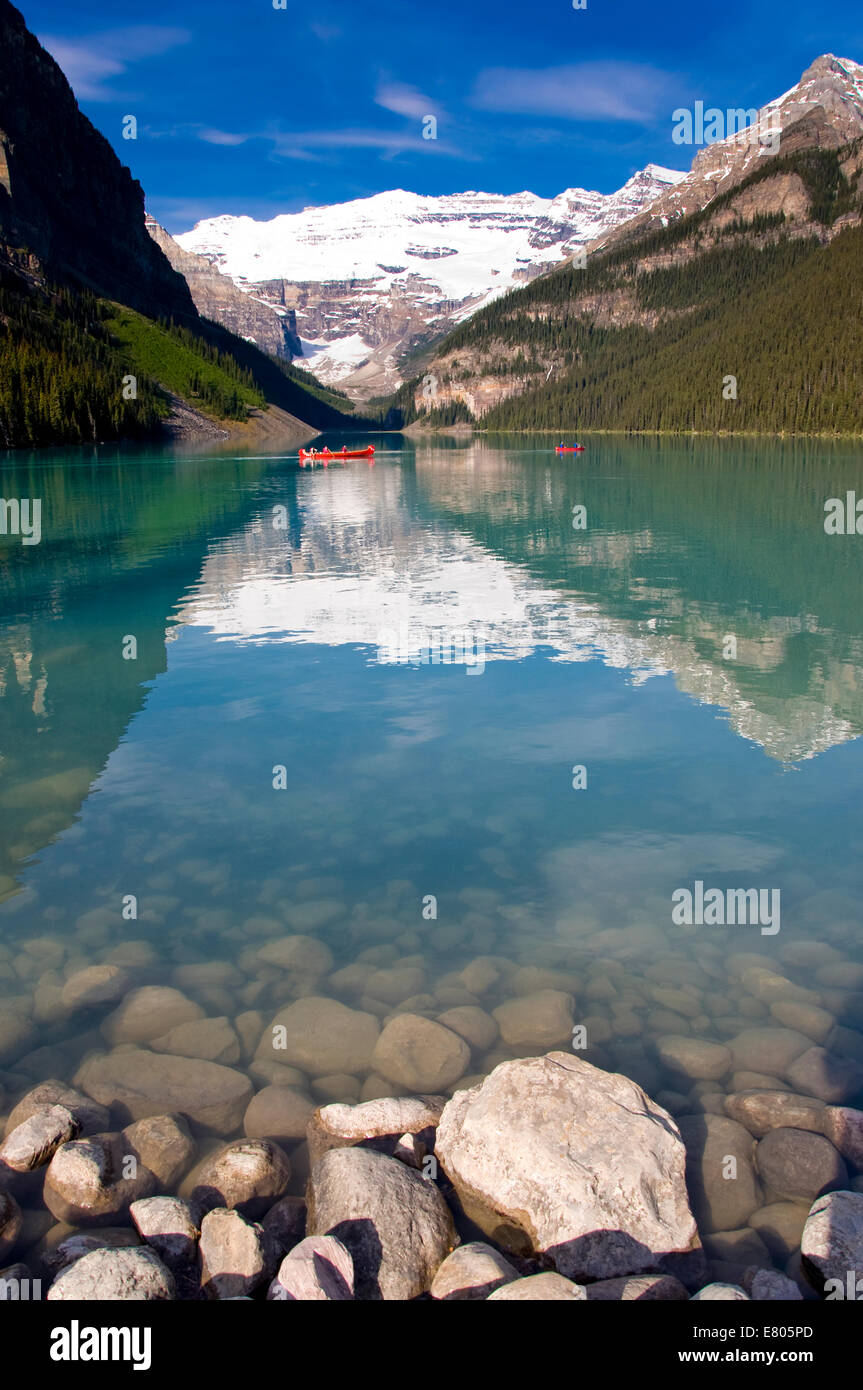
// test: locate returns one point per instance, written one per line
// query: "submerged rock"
(420, 1054)
(320, 1036)
(92, 1182)
(92, 1117)
(10, 1223)
(529, 1152)
(798, 1165)
(136, 1083)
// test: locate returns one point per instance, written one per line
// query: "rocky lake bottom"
(323, 975)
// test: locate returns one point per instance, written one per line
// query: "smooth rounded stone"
(638, 1288)
(694, 1057)
(847, 1042)
(756, 1081)
(91, 1182)
(286, 1222)
(130, 1275)
(831, 1078)
(34, 1142)
(395, 983)
(815, 1022)
(134, 955)
(280, 1113)
(321, 1036)
(472, 1023)
(768, 1285)
(843, 1126)
(237, 1256)
(147, 1013)
(420, 1054)
(481, 975)
(248, 1027)
(319, 1269)
(453, 997)
(339, 1088)
(211, 1039)
(780, 1226)
(472, 1271)
(742, 1247)
(137, 1083)
(542, 1019)
(535, 1288)
(832, 1240)
(310, 916)
(247, 1175)
(302, 954)
(767, 1049)
(762, 1111)
(378, 1123)
(168, 1226)
(97, 984)
(271, 1074)
(93, 1118)
(351, 979)
(530, 979)
(770, 988)
(720, 1293)
(720, 1203)
(841, 975)
(163, 1144)
(204, 974)
(10, 1223)
(395, 1223)
(529, 1152)
(17, 1034)
(798, 1165)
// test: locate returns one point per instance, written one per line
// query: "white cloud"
(600, 91)
(90, 63)
(405, 100)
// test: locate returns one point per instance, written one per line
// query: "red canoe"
(307, 456)
(569, 448)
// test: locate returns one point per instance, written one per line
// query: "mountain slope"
(372, 279)
(73, 247)
(743, 314)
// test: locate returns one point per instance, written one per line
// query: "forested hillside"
(649, 335)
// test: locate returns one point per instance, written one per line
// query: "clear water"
(262, 644)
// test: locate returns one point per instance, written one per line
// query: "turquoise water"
(271, 605)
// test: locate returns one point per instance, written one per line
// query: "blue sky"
(244, 108)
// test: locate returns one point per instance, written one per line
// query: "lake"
(420, 713)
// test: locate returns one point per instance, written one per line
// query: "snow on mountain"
(374, 277)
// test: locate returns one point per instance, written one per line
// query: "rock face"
(67, 197)
(136, 1083)
(530, 1150)
(832, 1240)
(395, 1224)
(274, 329)
(114, 1276)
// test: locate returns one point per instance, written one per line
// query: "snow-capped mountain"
(825, 108)
(371, 278)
